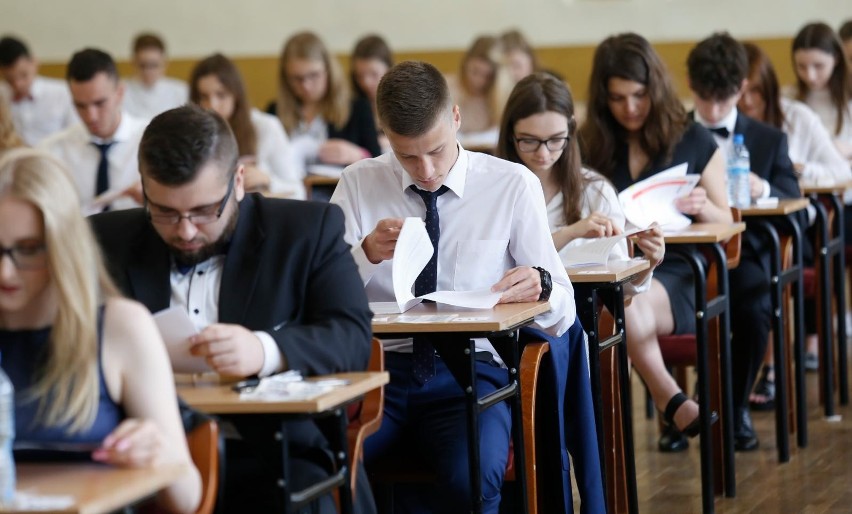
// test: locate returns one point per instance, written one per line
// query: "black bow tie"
(720, 131)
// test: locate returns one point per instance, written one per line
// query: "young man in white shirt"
(40, 106)
(100, 152)
(493, 229)
(149, 92)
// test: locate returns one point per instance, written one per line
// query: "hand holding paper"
(176, 329)
(654, 199)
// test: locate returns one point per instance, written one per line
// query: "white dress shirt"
(47, 110)
(146, 102)
(276, 157)
(74, 147)
(598, 196)
(492, 219)
(812, 146)
(198, 292)
(726, 144)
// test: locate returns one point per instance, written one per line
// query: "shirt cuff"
(273, 360)
(365, 267)
(767, 189)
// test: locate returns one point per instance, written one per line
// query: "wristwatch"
(546, 283)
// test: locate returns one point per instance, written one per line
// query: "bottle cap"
(739, 139)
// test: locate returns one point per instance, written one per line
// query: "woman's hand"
(652, 244)
(593, 226)
(135, 443)
(341, 152)
(693, 203)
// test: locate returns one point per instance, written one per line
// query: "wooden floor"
(818, 479)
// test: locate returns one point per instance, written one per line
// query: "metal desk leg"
(799, 335)
(284, 454)
(840, 294)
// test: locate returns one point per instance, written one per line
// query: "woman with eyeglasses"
(216, 85)
(89, 368)
(316, 107)
(636, 127)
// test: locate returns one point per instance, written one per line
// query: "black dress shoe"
(672, 440)
(745, 438)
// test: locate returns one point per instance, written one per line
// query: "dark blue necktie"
(423, 358)
(102, 183)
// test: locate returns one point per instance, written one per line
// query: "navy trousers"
(427, 423)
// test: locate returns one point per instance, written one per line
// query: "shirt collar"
(455, 179)
(728, 122)
(122, 133)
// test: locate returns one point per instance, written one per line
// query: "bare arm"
(139, 376)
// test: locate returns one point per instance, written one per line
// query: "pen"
(247, 385)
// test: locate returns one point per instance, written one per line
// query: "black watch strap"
(546, 283)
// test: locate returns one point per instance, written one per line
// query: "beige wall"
(252, 31)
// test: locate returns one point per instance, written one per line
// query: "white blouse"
(275, 156)
(601, 197)
(811, 145)
(820, 102)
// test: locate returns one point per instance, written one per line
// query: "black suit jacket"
(287, 272)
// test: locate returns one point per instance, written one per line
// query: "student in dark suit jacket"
(718, 67)
(270, 284)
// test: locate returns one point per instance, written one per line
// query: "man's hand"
(380, 244)
(229, 349)
(755, 185)
(693, 203)
(521, 284)
(135, 443)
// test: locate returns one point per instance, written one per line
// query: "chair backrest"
(203, 442)
(367, 416)
(733, 247)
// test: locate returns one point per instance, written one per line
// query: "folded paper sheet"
(653, 199)
(596, 251)
(412, 253)
(176, 329)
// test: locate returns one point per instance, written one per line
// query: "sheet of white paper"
(412, 253)
(653, 199)
(481, 299)
(595, 251)
(384, 308)
(176, 328)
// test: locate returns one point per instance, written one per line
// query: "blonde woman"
(88, 367)
(325, 124)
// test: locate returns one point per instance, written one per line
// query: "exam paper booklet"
(176, 328)
(653, 199)
(595, 251)
(412, 253)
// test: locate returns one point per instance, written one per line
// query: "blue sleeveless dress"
(23, 353)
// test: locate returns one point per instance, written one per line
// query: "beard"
(217, 247)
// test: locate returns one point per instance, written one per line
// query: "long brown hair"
(369, 47)
(488, 49)
(819, 36)
(760, 66)
(335, 106)
(630, 57)
(535, 94)
(240, 121)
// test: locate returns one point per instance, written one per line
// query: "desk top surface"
(418, 319)
(825, 189)
(611, 272)
(220, 399)
(704, 233)
(95, 488)
(321, 180)
(785, 206)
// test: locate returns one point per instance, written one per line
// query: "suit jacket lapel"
(242, 264)
(741, 126)
(148, 272)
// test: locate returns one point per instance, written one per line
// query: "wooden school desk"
(95, 488)
(453, 340)
(595, 286)
(829, 261)
(220, 399)
(717, 461)
(766, 220)
(312, 181)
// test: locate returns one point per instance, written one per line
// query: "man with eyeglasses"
(269, 283)
(486, 219)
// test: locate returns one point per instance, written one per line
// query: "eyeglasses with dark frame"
(531, 144)
(202, 218)
(26, 257)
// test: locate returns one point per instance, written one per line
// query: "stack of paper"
(596, 251)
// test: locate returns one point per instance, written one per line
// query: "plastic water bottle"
(7, 436)
(739, 166)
